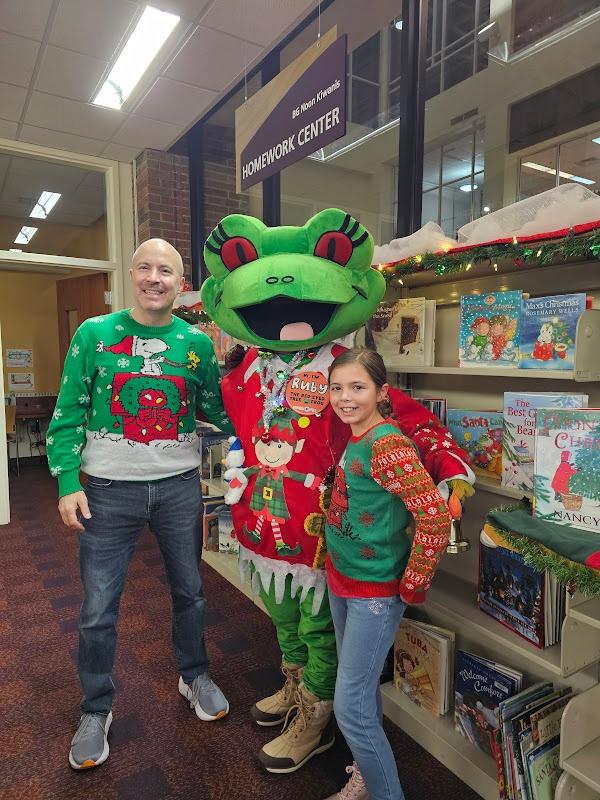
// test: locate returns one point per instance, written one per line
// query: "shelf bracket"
(580, 646)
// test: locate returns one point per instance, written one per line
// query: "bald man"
(125, 417)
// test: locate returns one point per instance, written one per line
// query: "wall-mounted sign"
(21, 382)
(19, 357)
(301, 110)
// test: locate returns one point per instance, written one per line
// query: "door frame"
(4, 494)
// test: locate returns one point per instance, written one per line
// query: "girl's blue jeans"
(365, 629)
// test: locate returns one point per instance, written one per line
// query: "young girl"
(372, 571)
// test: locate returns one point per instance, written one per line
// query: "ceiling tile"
(12, 99)
(92, 27)
(8, 130)
(68, 74)
(259, 21)
(120, 152)
(17, 58)
(81, 119)
(62, 141)
(25, 17)
(142, 132)
(211, 59)
(171, 101)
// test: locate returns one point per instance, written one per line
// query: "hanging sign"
(301, 110)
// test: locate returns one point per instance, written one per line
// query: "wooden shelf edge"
(491, 372)
(439, 737)
(585, 765)
(587, 612)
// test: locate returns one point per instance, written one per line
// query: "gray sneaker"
(204, 697)
(89, 747)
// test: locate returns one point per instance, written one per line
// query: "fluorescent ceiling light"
(15, 250)
(596, 140)
(45, 204)
(488, 30)
(151, 32)
(468, 187)
(550, 171)
(25, 235)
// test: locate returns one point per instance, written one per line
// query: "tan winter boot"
(273, 709)
(309, 732)
(355, 789)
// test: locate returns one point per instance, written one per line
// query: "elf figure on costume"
(291, 292)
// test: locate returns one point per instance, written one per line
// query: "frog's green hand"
(291, 288)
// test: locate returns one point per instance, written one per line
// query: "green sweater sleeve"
(65, 438)
(210, 400)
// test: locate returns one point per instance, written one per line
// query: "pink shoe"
(355, 789)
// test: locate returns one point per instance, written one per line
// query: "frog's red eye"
(237, 251)
(335, 246)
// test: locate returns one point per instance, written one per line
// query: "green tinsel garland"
(571, 248)
(568, 573)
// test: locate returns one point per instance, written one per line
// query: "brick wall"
(220, 197)
(163, 201)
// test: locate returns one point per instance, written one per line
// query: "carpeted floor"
(159, 749)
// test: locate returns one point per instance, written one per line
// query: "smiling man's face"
(156, 278)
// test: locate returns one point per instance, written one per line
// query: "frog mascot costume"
(290, 292)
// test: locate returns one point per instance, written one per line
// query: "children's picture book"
(545, 723)
(517, 595)
(548, 331)
(490, 329)
(519, 432)
(403, 332)
(480, 686)
(543, 765)
(424, 664)
(480, 434)
(567, 466)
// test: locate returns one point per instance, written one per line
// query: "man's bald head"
(158, 248)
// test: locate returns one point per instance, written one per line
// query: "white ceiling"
(55, 53)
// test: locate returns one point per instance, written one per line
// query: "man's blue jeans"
(120, 509)
(365, 629)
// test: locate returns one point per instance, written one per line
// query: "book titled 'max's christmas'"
(490, 329)
(423, 664)
(480, 434)
(519, 432)
(567, 466)
(403, 332)
(548, 331)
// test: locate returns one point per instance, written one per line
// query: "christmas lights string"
(580, 242)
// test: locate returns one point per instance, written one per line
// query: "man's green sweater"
(128, 398)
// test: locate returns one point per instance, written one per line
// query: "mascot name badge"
(307, 393)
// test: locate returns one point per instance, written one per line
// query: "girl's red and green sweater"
(380, 487)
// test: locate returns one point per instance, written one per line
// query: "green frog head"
(290, 288)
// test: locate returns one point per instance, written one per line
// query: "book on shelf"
(567, 466)
(436, 405)
(403, 332)
(480, 685)
(480, 434)
(424, 665)
(543, 769)
(548, 327)
(529, 602)
(515, 739)
(490, 329)
(519, 432)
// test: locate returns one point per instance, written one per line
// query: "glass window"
(535, 19)
(51, 208)
(574, 161)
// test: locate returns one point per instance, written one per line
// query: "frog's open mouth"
(285, 318)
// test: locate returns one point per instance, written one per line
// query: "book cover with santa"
(566, 467)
